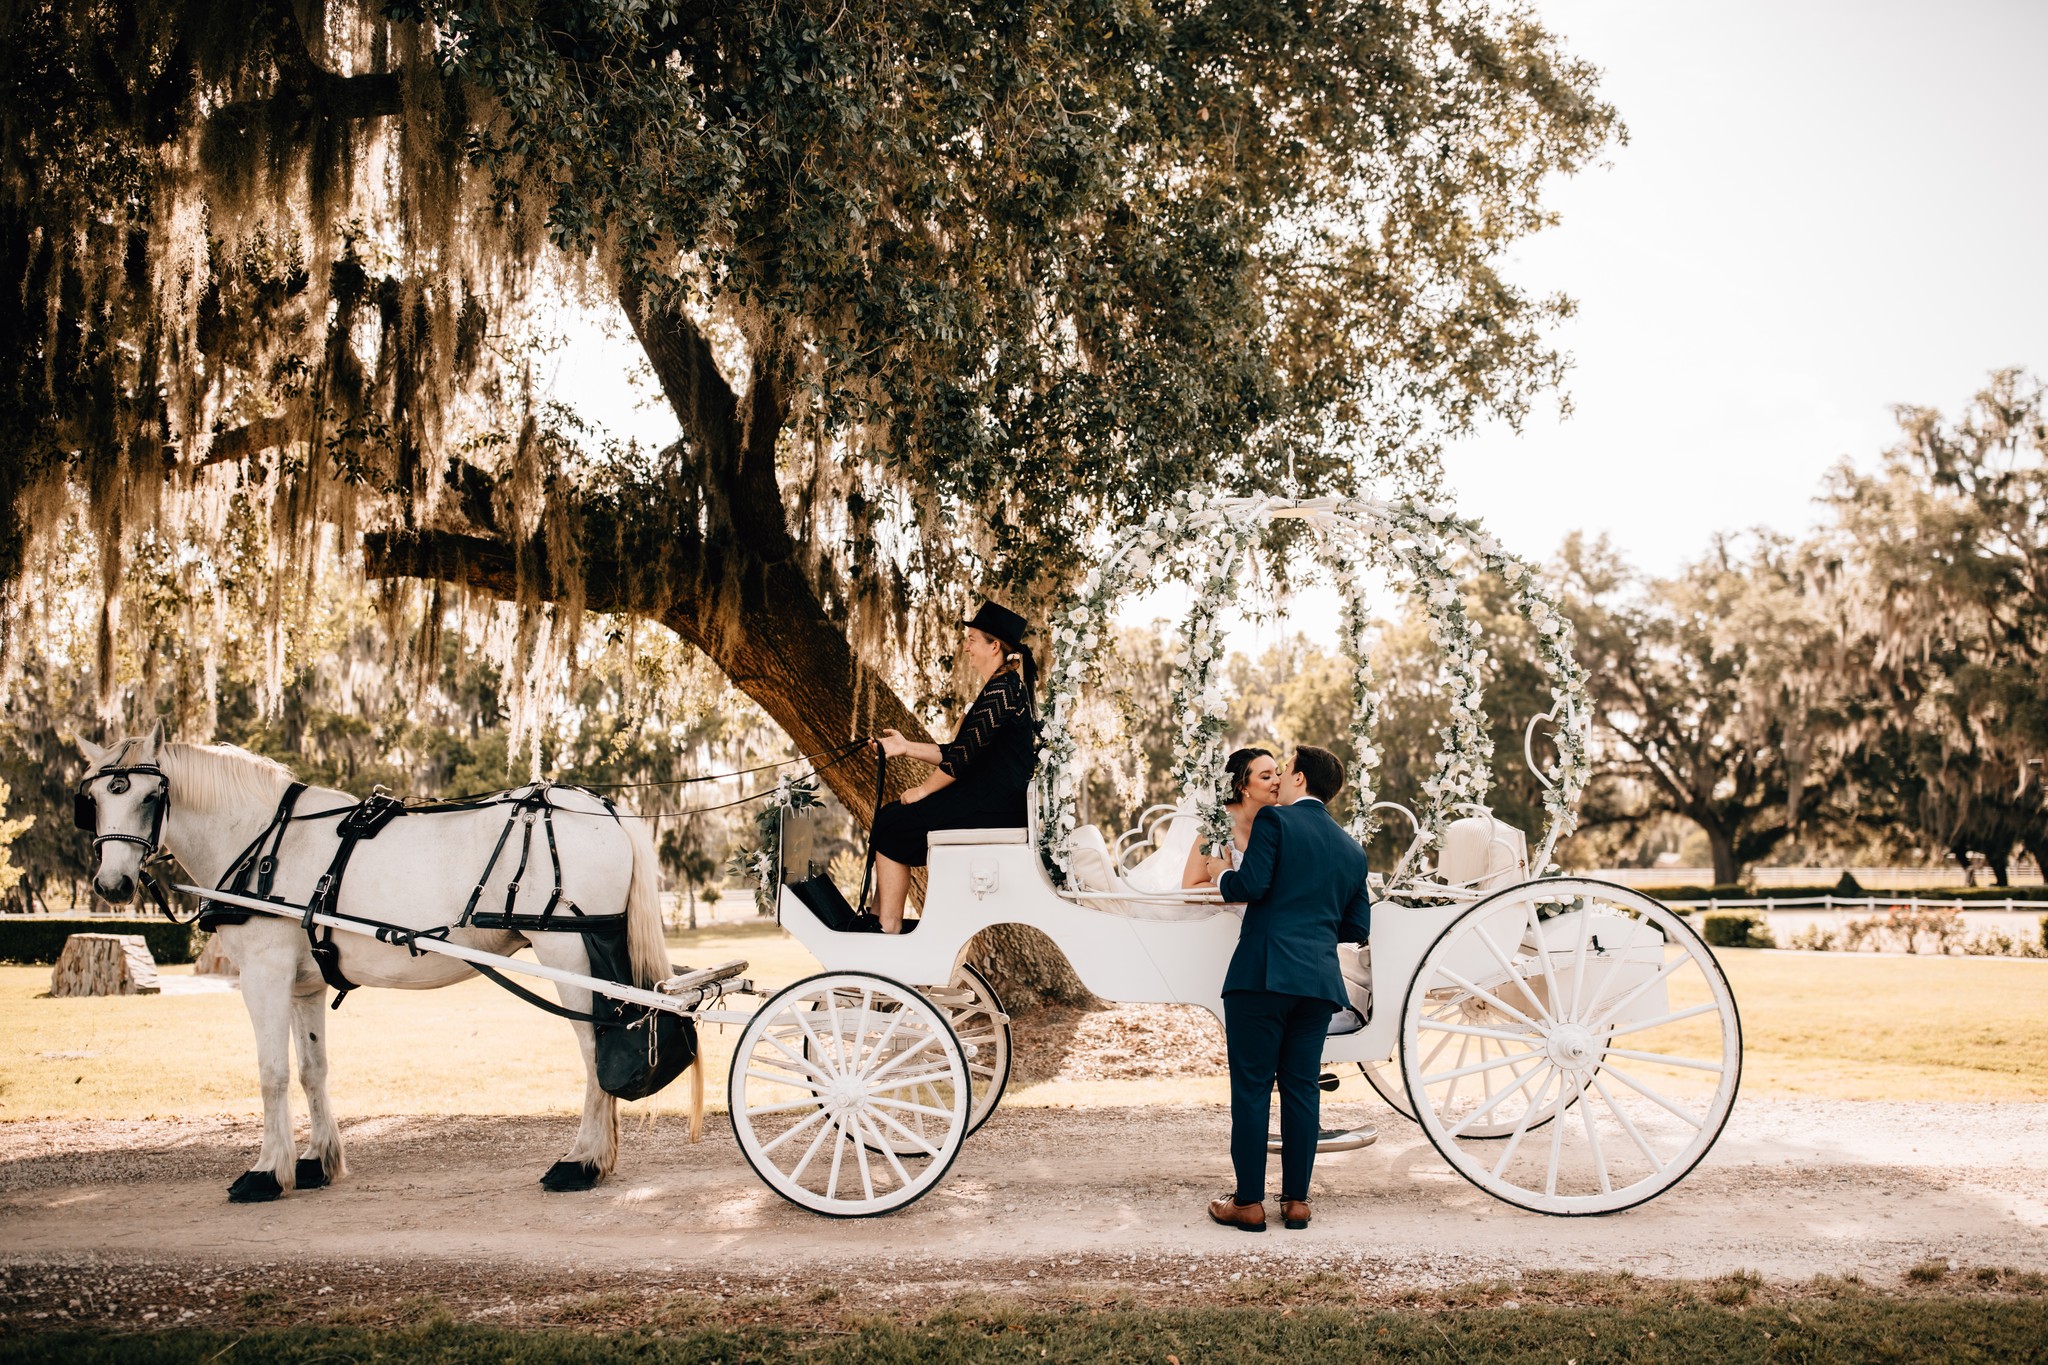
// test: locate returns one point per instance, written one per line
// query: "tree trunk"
(1727, 871)
(104, 964)
(704, 549)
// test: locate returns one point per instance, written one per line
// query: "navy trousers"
(1274, 1036)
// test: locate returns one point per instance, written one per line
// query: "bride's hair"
(1018, 657)
(1239, 767)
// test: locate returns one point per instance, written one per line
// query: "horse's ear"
(153, 741)
(93, 753)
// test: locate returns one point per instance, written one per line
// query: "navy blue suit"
(1303, 881)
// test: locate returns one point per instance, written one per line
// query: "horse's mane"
(210, 776)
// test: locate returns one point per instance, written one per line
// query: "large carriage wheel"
(1614, 1010)
(849, 1094)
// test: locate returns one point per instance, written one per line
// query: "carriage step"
(703, 976)
(1335, 1139)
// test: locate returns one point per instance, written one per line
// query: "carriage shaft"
(682, 1003)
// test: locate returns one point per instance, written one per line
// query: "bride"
(1180, 861)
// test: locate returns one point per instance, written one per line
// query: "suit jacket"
(1303, 884)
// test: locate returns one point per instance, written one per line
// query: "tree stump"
(214, 959)
(104, 964)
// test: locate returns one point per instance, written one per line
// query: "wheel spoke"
(1592, 1142)
(793, 1082)
(1464, 1050)
(860, 1156)
(1519, 1081)
(911, 1108)
(1628, 1124)
(1647, 1093)
(1579, 957)
(1556, 1138)
(1514, 973)
(1473, 1069)
(866, 1121)
(1475, 1031)
(900, 1058)
(915, 1078)
(1542, 953)
(1618, 1006)
(1494, 1000)
(1666, 1059)
(797, 1172)
(838, 1159)
(869, 1119)
(788, 1132)
(1522, 1124)
(1710, 1007)
(757, 1110)
(803, 1063)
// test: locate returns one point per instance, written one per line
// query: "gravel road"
(1794, 1189)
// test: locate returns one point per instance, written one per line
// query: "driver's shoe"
(1295, 1213)
(1244, 1217)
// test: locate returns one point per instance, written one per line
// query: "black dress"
(990, 761)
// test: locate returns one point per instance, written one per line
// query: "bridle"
(85, 813)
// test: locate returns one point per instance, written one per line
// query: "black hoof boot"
(570, 1175)
(255, 1187)
(311, 1174)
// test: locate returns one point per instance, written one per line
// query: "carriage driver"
(980, 779)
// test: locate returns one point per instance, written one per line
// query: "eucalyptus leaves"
(1206, 539)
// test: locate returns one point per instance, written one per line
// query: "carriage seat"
(978, 836)
(1483, 854)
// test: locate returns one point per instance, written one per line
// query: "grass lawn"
(1850, 1330)
(1819, 1024)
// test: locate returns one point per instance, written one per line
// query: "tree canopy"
(936, 293)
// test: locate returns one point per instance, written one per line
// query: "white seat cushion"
(976, 836)
(1483, 853)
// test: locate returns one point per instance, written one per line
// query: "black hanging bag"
(639, 1050)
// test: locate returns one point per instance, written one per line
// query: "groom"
(1303, 884)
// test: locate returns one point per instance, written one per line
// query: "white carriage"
(1569, 1046)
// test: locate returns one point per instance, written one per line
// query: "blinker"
(85, 813)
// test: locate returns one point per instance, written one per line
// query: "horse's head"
(121, 802)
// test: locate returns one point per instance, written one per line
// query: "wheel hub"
(1571, 1046)
(844, 1094)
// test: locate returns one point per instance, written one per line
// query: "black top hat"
(1001, 622)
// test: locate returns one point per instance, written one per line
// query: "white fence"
(1891, 878)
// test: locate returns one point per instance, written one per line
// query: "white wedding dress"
(1163, 868)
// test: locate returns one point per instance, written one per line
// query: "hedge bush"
(39, 938)
(1736, 931)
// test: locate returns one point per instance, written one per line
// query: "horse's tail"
(645, 946)
(648, 950)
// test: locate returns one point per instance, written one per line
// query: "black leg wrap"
(255, 1187)
(311, 1174)
(570, 1175)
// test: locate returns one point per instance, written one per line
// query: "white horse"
(206, 803)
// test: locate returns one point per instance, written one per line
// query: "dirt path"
(1794, 1189)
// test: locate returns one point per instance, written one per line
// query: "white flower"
(1079, 616)
(1090, 640)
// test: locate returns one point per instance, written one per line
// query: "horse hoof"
(255, 1187)
(570, 1175)
(311, 1174)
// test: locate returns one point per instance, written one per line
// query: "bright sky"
(1826, 207)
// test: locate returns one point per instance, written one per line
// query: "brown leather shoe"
(1244, 1217)
(1295, 1213)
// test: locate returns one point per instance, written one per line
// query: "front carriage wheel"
(849, 1094)
(1575, 995)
